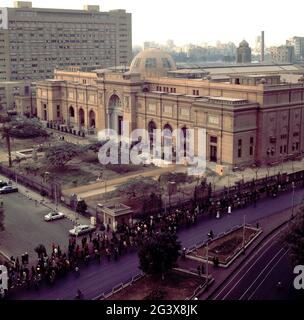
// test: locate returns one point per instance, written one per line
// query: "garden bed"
(226, 248)
(176, 286)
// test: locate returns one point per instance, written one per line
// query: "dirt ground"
(226, 246)
(176, 286)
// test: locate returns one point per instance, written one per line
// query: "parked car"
(54, 215)
(82, 229)
(8, 189)
(3, 184)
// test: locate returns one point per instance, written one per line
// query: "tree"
(19, 129)
(294, 237)
(59, 155)
(94, 146)
(81, 207)
(177, 177)
(138, 187)
(158, 253)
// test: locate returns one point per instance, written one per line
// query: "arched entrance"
(151, 131)
(92, 120)
(81, 117)
(115, 115)
(167, 135)
(71, 115)
(184, 136)
(168, 142)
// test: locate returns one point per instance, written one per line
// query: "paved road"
(97, 279)
(257, 279)
(25, 228)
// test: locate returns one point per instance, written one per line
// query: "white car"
(54, 215)
(82, 229)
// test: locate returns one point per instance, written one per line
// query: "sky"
(199, 21)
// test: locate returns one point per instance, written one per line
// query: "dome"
(152, 63)
(244, 43)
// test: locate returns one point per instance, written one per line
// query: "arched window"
(151, 131)
(71, 112)
(92, 119)
(81, 117)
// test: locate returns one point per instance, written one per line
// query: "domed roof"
(244, 43)
(152, 63)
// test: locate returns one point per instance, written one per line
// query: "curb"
(237, 267)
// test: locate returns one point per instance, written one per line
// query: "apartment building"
(34, 41)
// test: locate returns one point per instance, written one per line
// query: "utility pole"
(293, 196)
(244, 232)
(207, 261)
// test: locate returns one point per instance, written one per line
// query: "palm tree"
(19, 129)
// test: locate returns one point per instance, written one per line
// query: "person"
(79, 295)
(77, 271)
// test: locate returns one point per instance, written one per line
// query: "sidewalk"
(268, 224)
(34, 196)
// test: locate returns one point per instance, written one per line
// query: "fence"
(119, 287)
(52, 190)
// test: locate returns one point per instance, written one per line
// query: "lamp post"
(244, 233)
(207, 261)
(293, 196)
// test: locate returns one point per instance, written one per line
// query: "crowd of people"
(109, 246)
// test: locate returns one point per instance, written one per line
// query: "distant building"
(34, 41)
(243, 53)
(282, 54)
(298, 44)
(8, 92)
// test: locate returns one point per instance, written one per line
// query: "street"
(25, 227)
(96, 279)
(258, 278)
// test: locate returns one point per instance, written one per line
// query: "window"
(281, 149)
(284, 136)
(150, 63)
(240, 153)
(166, 63)
(213, 139)
(251, 150)
(251, 140)
(240, 142)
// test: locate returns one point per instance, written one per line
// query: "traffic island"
(224, 249)
(177, 285)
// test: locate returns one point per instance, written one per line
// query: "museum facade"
(248, 118)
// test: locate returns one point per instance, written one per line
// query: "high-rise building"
(298, 44)
(282, 54)
(34, 41)
(244, 52)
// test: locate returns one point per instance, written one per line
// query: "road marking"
(283, 255)
(259, 275)
(232, 279)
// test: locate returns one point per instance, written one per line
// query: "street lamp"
(292, 201)
(207, 261)
(244, 224)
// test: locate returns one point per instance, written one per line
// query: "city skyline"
(218, 21)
